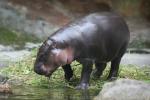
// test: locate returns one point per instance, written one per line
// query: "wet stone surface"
(9, 55)
(136, 59)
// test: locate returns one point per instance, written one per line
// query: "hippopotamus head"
(50, 56)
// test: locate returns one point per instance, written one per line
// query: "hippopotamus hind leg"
(115, 63)
(114, 69)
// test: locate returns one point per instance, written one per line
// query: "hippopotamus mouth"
(42, 69)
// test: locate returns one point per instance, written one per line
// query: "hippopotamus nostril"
(38, 69)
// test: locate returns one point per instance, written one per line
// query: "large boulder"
(125, 89)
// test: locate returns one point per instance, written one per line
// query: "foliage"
(23, 70)
(9, 37)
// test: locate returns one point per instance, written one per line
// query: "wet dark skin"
(97, 38)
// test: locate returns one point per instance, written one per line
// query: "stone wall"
(41, 18)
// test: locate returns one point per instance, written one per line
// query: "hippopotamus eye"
(51, 55)
(49, 42)
(53, 46)
(42, 57)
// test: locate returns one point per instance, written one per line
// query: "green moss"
(23, 70)
(9, 37)
(139, 43)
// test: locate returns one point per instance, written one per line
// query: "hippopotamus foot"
(68, 72)
(112, 79)
(82, 86)
(99, 68)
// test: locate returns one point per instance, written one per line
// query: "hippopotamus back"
(96, 36)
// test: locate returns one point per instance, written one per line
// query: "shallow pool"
(36, 93)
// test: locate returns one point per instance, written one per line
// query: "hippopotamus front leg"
(85, 74)
(68, 71)
(99, 68)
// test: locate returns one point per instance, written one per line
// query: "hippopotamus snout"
(40, 69)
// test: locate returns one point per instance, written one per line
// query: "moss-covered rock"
(10, 37)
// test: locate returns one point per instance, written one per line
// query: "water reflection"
(70, 94)
(30, 93)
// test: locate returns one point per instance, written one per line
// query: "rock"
(30, 46)
(6, 48)
(5, 88)
(22, 20)
(136, 59)
(125, 89)
(8, 57)
(14, 55)
(139, 32)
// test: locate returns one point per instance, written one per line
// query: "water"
(36, 93)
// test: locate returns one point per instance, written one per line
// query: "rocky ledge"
(125, 89)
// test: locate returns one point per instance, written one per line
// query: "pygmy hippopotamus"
(97, 38)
